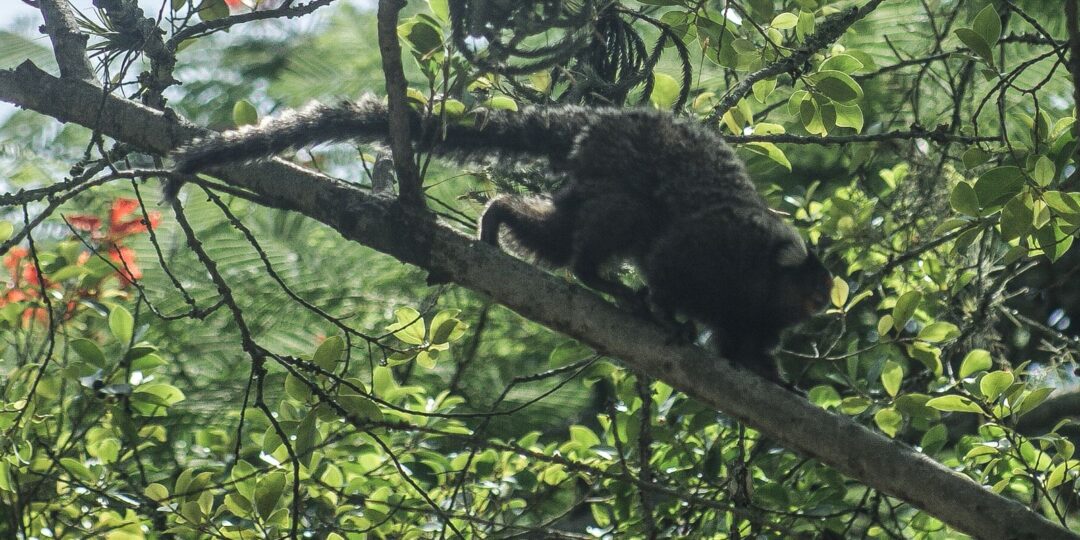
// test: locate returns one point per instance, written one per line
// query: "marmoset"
(643, 186)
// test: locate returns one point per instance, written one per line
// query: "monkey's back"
(680, 165)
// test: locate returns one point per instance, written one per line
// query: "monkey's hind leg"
(539, 226)
(610, 228)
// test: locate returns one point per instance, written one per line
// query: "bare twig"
(1074, 54)
(939, 135)
(69, 45)
(829, 31)
(411, 190)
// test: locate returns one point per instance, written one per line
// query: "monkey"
(664, 193)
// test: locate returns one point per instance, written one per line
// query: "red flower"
(87, 223)
(124, 257)
(12, 260)
(119, 228)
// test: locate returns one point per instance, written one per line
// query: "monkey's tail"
(534, 132)
(363, 120)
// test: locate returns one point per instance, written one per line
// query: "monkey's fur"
(644, 186)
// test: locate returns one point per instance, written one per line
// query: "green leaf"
(122, 324)
(929, 356)
(244, 113)
(975, 156)
(770, 151)
(78, 470)
(665, 91)
(976, 360)
(824, 396)
(421, 34)
(938, 332)
(839, 292)
(427, 359)
(160, 394)
(1044, 171)
(296, 388)
(210, 10)
(854, 405)
(905, 308)
(842, 62)
(994, 383)
(147, 362)
(156, 492)
(811, 116)
(1016, 218)
(441, 9)
(1032, 399)
(360, 406)
(954, 403)
(1064, 470)
(764, 88)
(307, 438)
(1066, 204)
(889, 421)
(1053, 241)
(330, 352)
(583, 436)
(805, 26)
(89, 351)
(891, 377)
(409, 327)
(445, 327)
(964, 200)
(238, 504)
(976, 43)
(849, 116)
(988, 25)
(784, 21)
(503, 103)
(836, 85)
(768, 128)
(885, 324)
(934, 439)
(268, 492)
(998, 185)
(6, 230)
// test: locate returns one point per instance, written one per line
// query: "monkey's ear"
(791, 254)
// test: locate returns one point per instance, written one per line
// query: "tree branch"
(939, 135)
(1073, 26)
(409, 182)
(69, 45)
(830, 30)
(883, 464)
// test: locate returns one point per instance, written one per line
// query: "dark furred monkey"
(665, 193)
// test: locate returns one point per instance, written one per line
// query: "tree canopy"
(315, 345)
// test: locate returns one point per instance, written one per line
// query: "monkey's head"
(803, 284)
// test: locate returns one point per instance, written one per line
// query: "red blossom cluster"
(27, 282)
(110, 238)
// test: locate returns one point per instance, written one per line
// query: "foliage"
(231, 371)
